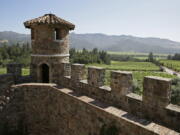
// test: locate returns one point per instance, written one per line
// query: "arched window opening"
(57, 34)
(32, 34)
(45, 73)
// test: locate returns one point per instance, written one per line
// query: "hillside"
(124, 43)
(13, 37)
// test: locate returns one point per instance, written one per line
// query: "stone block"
(15, 69)
(121, 83)
(66, 67)
(96, 76)
(157, 91)
(78, 72)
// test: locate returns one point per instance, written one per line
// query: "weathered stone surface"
(78, 72)
(15, 69)
(96, 76)
(157, 91)
(50, 111)
(6, 81)
(121, 83)
(47, 50)
(156, 96)
(134, 104)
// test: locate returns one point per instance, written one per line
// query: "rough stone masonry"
(58, 98)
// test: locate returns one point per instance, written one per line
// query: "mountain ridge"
(124, 43)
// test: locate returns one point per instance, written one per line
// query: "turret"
(50, 46)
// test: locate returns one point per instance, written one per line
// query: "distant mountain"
(13, 37)
(124, 43)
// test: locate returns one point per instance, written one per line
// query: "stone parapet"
(156, 96)
(121, 83)
(15, 69)
(154, 103)
(53, 110)
(78, 72)
(157, 91)
(151, 105)
(96, 76)
(6, 81)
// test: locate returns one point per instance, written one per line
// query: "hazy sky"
(145, 18)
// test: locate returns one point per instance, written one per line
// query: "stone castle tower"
(50, 46)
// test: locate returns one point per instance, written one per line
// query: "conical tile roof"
(48, 19)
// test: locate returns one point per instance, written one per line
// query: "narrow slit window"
(32, 34)
(56, 34)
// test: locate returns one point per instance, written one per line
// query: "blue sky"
(145, 18)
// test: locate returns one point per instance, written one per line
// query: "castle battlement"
(70, 113)
(72, 99)
(154, 104)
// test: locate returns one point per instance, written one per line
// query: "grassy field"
(138, 77)
(25, 71)
(139, 71)
(129, 66)
(3, 71)
(173, 64)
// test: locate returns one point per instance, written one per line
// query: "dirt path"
(170, 71)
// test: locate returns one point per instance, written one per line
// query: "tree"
(151, 57)
(169, 57)
(86, 56)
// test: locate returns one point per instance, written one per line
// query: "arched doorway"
(45, 73)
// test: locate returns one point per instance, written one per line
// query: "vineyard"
(172, 64)
(25, 71)
(139, 71)
(138, 77)
(129, 66)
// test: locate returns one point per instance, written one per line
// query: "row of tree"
(15, 53)
(89, 56)
(174, 57)
(20, 53)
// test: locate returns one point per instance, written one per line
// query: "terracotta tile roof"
(48, 19)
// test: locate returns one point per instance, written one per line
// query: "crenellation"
(96, 76)
(15, 69)
(78, 72)
(134, 104)
(156, 91)
(121, 83)
(6, 81)
(68, 102)
(156, 97)
(154, 103)
(66, 68)
(172, 116)
(80, 114)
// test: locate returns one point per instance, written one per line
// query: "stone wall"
(54, 67)
(6, 81)
(44, 41)
(15, 69)
(44, 109)
(154, 104)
